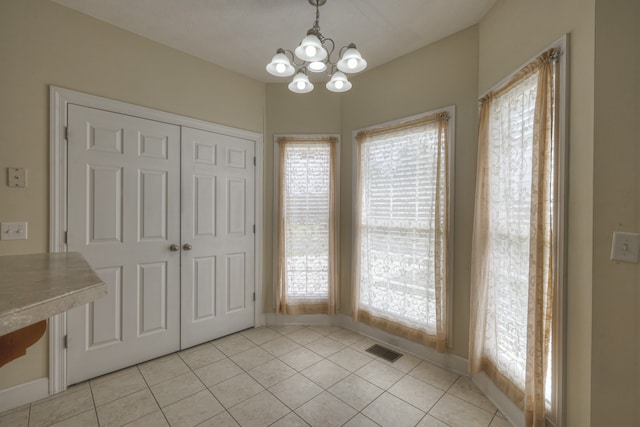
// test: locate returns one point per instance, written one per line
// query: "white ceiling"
(243, 35)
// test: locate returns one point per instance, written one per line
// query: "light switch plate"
(17, 177)
(13, 231)
(625, 247)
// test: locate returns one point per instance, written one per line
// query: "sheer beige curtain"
(513, 240)
(400, 270)
(307, 267)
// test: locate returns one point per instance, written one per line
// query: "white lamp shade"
(311, 49)
(317, 67)
(300, 83)
(338, 82)
(280, 66)
(351, 61)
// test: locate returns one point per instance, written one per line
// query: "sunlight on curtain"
(402, 229)
(512, 254)
(307, 241)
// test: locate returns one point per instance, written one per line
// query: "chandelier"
(313, 54)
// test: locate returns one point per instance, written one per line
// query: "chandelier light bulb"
(339, 82)
(280, 65)
(310, 51)
(351, 61)
(317, 66)
(300, 83)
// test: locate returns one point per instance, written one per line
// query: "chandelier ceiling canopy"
(314, 55)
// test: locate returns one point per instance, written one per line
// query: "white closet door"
(218, 186)
(123, 215)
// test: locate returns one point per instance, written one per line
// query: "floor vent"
(383, 352)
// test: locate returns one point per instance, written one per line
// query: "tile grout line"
(204, 385)
(152, 395)
(320, 336)
(93, 399)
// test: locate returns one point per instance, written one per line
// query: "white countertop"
(35, 287)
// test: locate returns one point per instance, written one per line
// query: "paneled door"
(218, 185)
(124, 217)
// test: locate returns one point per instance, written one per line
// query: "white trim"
(451, 109)
(276, 202)
(560, 306)
(560, 324)
(558, 43)
(259, 319)
(68, 96)
(447, 361)
(302, 319)
(22, 394)
(57, 353)
(509, 409)
(59, 99)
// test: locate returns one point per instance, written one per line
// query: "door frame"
(59, 98)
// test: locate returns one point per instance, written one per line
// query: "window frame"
(451, 110)
(557, 415)
(276, 204)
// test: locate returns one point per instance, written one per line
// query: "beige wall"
(510, 34)
(42, 44)
(287, 112)
(441, 74)
(615, 398)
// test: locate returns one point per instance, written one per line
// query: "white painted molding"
(259, 318)
(57, 354)
(451, 109)
(22, 394)
(509, 409)
(447, 361)
(302, 319)
(59, 99)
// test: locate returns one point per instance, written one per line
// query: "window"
(307, 225)
(515, 255)
(402, 228)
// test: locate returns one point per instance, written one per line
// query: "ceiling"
(243, 35)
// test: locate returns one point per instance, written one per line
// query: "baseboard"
(302, 319)
(448, 361)
(509, 409)
(22, 394)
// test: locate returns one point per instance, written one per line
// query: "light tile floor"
(274, 376)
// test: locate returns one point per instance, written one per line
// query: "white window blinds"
(307, 224)
(402, 229)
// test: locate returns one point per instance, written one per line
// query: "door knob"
(186, 247)
(174, 248)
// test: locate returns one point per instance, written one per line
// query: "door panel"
(108, 310)
(123, 173)
(218, 185)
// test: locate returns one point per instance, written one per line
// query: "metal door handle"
(174, 248)
(186, 247)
